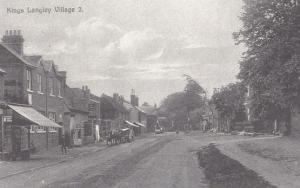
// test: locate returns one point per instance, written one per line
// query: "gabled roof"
(74, 100)
(149, 110)
(94, 97)
(17, 55)
(35, 60)
(115, 104)
(48, 64)
(128, 106)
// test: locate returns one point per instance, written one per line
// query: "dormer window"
(29, 80)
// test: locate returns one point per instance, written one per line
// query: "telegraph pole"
(46, 108)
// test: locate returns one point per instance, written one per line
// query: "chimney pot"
(6, 32)
(10, 32)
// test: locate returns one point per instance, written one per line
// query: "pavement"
(45, 158)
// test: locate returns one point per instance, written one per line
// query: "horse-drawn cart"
(115, 137)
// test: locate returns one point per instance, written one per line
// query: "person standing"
(63, 145)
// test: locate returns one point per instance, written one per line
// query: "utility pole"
(46, 108)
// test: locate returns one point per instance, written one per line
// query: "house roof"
(128, 106)
(140, 110)
(2, 71)
(74, 100)
(115, 104)
(149, 110)
(20, 57)
(48, 64)
(34, 60)
(95, 97)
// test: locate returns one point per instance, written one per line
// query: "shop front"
(16, 123)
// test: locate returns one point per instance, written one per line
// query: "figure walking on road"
(63, 145)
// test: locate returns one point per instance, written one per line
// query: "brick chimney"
(134, 100)
(14, 40)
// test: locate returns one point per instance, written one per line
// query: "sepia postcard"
(150, 93)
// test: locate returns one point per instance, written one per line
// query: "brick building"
(31, 80)
(82, 114)
(113, 112)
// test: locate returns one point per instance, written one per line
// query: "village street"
(163, 160)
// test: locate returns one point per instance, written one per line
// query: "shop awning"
(33, 116)
(140, 124)
(131, 124)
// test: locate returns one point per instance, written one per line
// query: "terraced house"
(36, 82)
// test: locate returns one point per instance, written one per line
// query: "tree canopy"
(270, 66)
(179, 105)
(229, 101)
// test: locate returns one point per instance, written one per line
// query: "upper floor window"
(39, 82)
(52, 116)
(29, 79)
(59, 88)
(92, 107)
(51, 86)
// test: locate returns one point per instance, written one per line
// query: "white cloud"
(142, 45)
(95, 32)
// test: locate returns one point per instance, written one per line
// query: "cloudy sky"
(147, 45)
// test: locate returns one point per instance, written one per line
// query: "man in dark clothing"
(63, 145)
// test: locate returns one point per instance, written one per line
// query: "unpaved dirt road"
(167, 160)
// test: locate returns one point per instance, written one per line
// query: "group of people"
(113, 137)
(118, 136)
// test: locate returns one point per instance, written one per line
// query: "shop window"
(87, 129)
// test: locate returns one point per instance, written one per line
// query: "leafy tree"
(179, 105)
(270, 66)
(229, 101)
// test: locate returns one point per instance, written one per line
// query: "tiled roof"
(74, 99)
(17, 55)
(149, 110)
(128, 106)
(115, 104)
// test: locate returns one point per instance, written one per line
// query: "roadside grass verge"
(268, 152)
(224, 172)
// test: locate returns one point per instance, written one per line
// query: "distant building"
(151, 116)
(136, 115)
(77, 130)
(113, 112)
